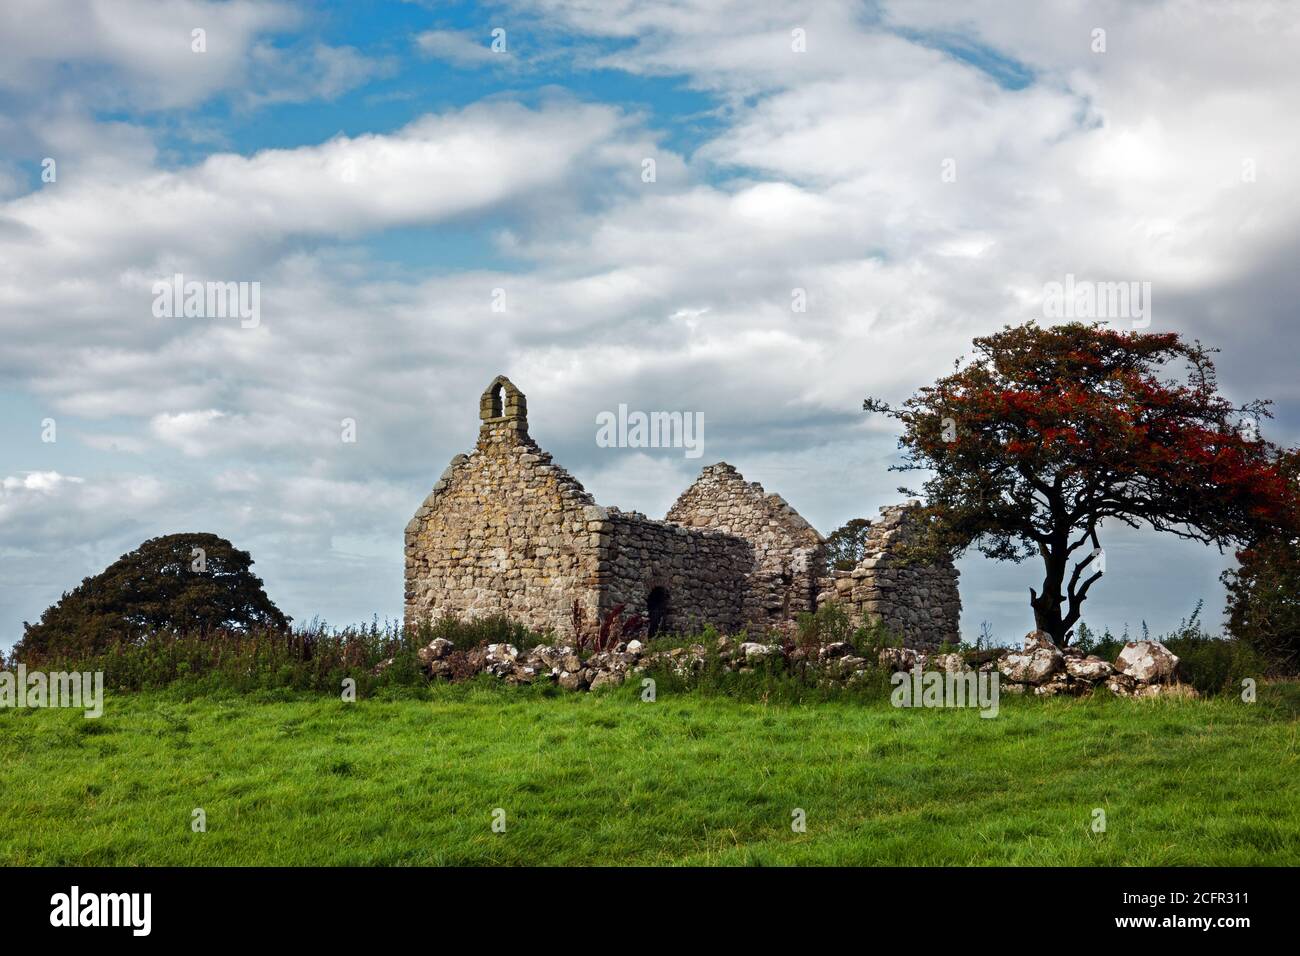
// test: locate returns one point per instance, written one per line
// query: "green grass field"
(689, 779)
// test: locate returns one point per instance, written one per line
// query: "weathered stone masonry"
(505, 530)
(788, 551)
(678, 578)
(917, 600)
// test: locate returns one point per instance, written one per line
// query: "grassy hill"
(292, 778)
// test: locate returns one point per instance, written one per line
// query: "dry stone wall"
(1144, 669)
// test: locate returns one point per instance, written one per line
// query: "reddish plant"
(1049, 432)
(610, 631)
(465, 665)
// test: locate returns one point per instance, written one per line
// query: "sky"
(420, 212)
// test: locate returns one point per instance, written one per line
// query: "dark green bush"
(1264, 601)
(831, 624)
(187, 584)
(847, 545)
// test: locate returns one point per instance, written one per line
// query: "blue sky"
(379, 171)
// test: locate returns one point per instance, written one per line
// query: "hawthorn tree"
(1048, 432)
(180, 583)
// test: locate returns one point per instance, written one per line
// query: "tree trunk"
(1047, 618)
(1047, 606)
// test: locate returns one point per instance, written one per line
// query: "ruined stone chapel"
(506, 530)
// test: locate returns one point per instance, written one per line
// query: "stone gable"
(788, 551)
(505, 530)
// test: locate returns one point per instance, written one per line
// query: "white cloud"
(42, 482)
(144, 45)
(212, 432)
(47, 511)
(78, 264)
(191, 432)
(126, 444)
(460, 48)
(319, 72)
(822, 172)
(237, 480)
(437, 167)
(141, 54)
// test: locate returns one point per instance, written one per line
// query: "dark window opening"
(656, 610)
(497, 405)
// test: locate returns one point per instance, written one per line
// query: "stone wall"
(919, 601)
(505, 530)
(788, 552)
(1143, 669)
(699, 576)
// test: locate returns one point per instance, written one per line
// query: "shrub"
(827, 625)
(1215, 665)
(847, 545)
(613, 626)
(309, 658)
(186, 584)
(1212, 664)
(1264, 601)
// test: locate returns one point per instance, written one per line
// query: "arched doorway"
(656, 605)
